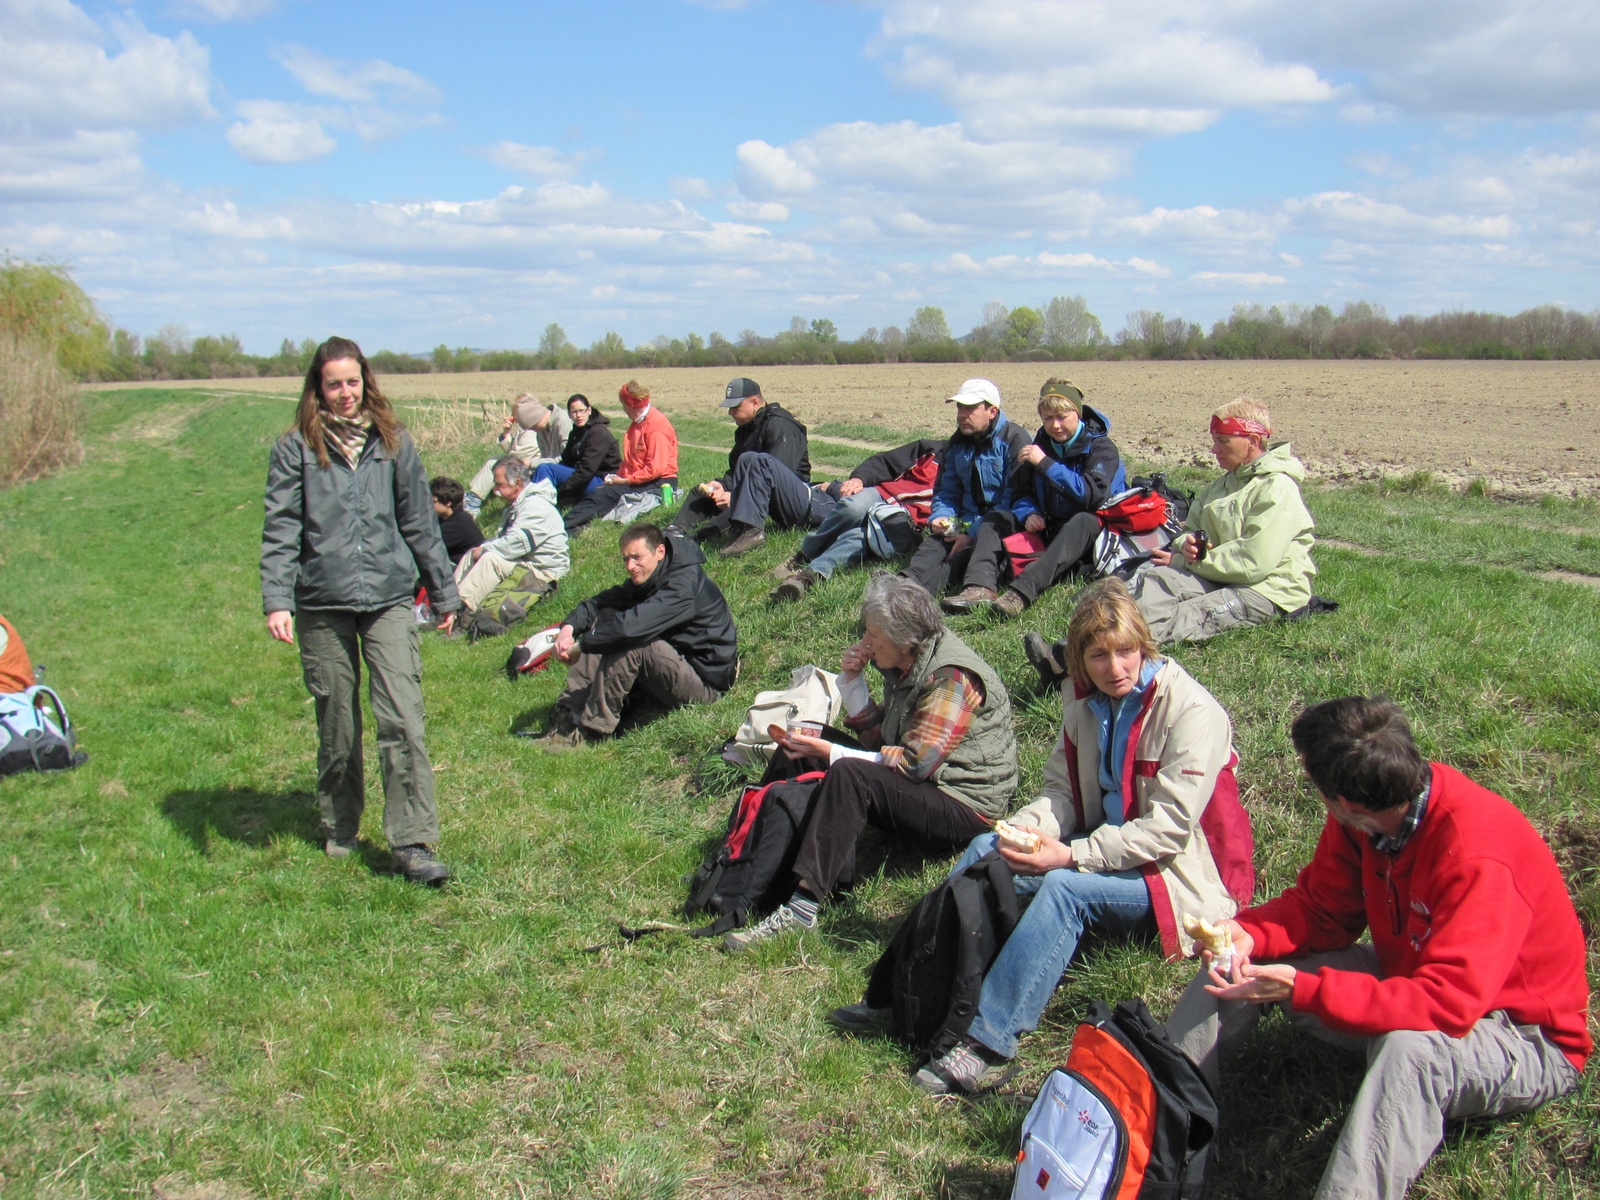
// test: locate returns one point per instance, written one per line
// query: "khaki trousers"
(1416, 1079)
(1182, 607)
(600, 686)
(333, 645)
(475, 580)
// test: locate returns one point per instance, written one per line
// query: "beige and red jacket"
(1185, 831)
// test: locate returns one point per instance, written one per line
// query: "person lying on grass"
(1254, 562)
(1139, 825)
(349, 528)
(665, 637)
(769, 477)
(1471, 999)
(1069, 469)
(531, 535)
(943, 763)
(882, 508)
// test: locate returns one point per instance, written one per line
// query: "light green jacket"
(1259, 528)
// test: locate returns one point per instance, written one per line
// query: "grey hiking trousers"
(333, 645)
(1416, 1079)
(1182, 607)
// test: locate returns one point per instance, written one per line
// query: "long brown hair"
(308, 416)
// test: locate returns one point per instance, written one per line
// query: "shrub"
(39, 411)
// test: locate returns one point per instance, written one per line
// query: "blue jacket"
(1062, 487)
(976, 474)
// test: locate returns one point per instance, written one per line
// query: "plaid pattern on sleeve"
(939, 722)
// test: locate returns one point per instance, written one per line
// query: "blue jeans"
(557, 474)
(841, 539)
(1025, 973)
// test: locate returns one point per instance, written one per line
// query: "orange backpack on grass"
(1128, 1117)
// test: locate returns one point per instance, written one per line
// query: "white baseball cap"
(976, 391)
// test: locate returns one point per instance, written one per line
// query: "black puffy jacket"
(591, 450)
(773, 430)
(679, 604)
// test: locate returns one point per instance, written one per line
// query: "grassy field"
(196, 1004)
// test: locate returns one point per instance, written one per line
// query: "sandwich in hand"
(1214, 938)
(1022, 838)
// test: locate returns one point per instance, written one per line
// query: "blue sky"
(416, 174)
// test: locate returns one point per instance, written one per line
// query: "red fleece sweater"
(649, 449)
(1472, 916)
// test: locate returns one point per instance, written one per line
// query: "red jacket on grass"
(1471, 916)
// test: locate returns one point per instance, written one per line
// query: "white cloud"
(758, 210)
(278, 133)
(362, 83)
(536, 162)
(224, 10)
(769, 171)
(692, 189)
(1254, 279)
(1021, 68)
(58, 76)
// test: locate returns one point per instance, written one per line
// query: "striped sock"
(804, 907)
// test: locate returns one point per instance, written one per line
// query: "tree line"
(1061, 329)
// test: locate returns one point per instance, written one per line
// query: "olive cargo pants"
(333, 644)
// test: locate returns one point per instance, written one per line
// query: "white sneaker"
(966, 1068)
(780, 921)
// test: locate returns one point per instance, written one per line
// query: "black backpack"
(933, 970)
(1128, 1115)
(752, 869)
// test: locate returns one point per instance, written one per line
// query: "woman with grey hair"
(940, 757)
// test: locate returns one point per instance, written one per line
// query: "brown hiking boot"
(748, 538)
(792, 565)
(795, 587)
(1011, 604)
(968, 599)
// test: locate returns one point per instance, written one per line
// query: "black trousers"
(856, 793)
(935, 568)
(1067, 548)
(602, 500)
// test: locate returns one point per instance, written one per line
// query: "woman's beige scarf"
(347, 435)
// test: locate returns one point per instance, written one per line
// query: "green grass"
(190, 991)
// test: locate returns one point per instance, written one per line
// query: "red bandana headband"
(1238, 427)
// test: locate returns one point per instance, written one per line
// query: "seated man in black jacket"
(769, 475)
(882, 509)
(666, 636)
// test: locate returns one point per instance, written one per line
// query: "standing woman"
(349, 528)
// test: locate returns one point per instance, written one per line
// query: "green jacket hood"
(1278, 460)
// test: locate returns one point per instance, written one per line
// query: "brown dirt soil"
(1524, 427)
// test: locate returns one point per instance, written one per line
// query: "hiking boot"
(1039, 655)
(968, 599)
(966, 1069)
(780, 921)
(339, 847)
(1011, 603)
(862, 1020)
(748, 538)
(795, 587)
(792, 565)
(418, 864)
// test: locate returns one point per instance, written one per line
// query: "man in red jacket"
(1471, 1000)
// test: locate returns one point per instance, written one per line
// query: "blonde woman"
(1139, 824)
